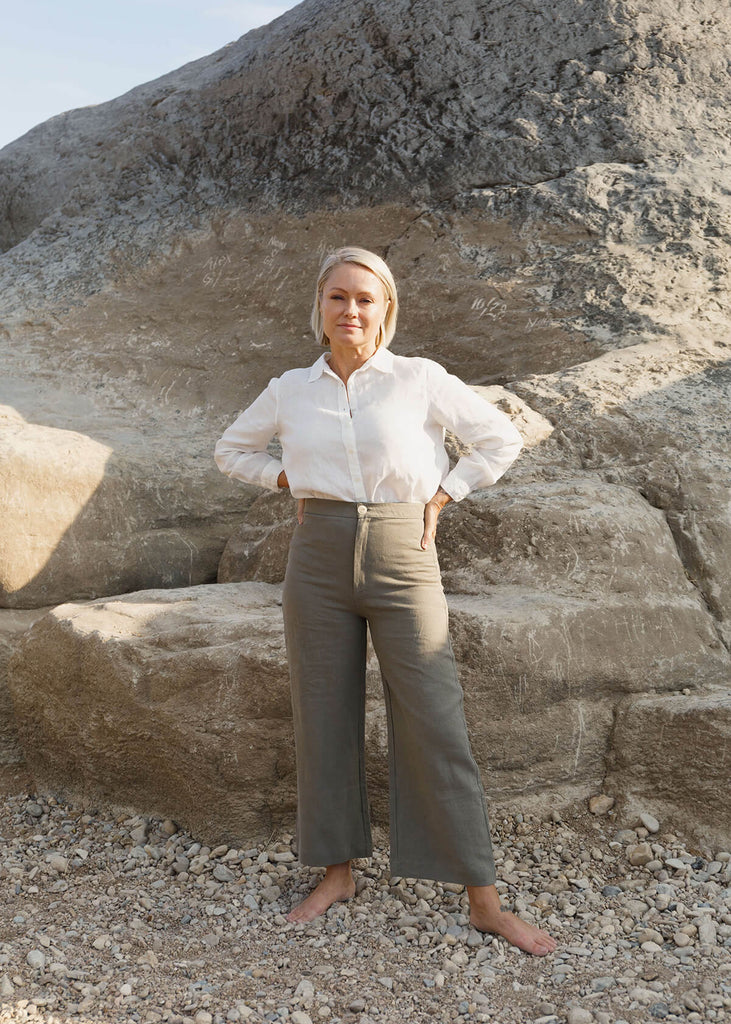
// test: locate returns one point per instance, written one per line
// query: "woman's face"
(353, 305)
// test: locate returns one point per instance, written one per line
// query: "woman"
(362, 434)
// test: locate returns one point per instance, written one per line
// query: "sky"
(56, 55)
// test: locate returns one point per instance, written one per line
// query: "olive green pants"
(352, 566)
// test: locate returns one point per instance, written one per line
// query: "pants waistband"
(364, 509)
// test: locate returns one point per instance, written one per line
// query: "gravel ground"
(130, 919)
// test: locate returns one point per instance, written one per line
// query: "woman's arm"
(431, 514)
(241, 451)
(494, 442)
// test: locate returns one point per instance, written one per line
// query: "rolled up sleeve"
(241, 452)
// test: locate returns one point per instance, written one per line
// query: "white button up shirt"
(379, 438)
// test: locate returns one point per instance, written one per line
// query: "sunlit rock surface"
(549, 185)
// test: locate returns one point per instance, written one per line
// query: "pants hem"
(314, 862)
(424, 873)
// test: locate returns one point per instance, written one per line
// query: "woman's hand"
(431, 514)
(283, 483)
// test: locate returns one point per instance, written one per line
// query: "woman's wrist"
(442, 498)
(282, 481)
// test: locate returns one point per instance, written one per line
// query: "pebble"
(601, 803)
(676, 864)
(138, 835)
(305, 991)
(639, 854)
(36, 959)
(603, 983)
(578, 1015)
(707, 932)
(137, 920)
(223, 874)
(625, 836)
(58, 863)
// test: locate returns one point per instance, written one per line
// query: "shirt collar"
(381, 360)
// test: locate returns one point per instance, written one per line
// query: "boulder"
(14, 776)
(415, 105)
(653, 418)
(159, 250)
(177, 702)
(572, 587)
(670, 757)
(258, 548)
(82, 519)
(558, 239)
(173, 701)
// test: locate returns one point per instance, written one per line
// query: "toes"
(543, 945)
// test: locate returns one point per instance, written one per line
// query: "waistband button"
(362, 509)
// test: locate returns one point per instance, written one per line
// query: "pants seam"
(364, 807)
(392, 762)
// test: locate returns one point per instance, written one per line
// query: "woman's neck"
(344, 361)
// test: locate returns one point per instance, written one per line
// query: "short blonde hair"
(377, 266)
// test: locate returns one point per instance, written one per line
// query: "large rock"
(172, 701)
(575, 586)
(13, 771)
(670, 753)
(160, 249)
(177, 702)
(82, 519)
(258, 548)
(554, 233)
(653, 417)
(413, 103)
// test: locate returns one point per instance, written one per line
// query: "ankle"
(484, 899)
(341, 872)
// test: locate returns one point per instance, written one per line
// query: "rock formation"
(549, 185)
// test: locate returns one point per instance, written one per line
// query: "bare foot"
(486, 915)
(338, 884)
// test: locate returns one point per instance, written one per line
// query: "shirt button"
(362, 510)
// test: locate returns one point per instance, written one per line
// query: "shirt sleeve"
(494, 441)
(241, 452)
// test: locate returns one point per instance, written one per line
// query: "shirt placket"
(348, 407)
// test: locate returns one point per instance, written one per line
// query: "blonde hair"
(377, 266)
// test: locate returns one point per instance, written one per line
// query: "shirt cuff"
(455, 487)
(270, 475)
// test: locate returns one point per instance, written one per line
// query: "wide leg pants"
(351, 566)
